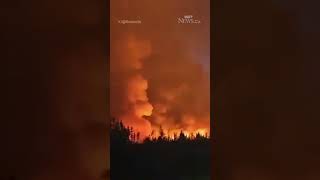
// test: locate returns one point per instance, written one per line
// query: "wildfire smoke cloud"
(126, 74)
(159, 73)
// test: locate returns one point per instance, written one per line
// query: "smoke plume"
(159, 68)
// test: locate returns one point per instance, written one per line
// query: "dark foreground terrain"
(160, 158)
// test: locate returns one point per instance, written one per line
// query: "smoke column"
(126, 74)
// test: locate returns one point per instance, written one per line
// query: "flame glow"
(156, 83)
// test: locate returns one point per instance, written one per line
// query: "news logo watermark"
(188, 19)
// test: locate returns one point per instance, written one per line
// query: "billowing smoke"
(159, 68)
(129, 100)
(179, 91)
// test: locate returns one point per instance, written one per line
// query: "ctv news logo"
(188, 19)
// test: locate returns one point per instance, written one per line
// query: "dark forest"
(160, 157)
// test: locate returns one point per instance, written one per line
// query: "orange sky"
(160, 68)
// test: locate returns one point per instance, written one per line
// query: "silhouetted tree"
(182, 137)
(119, 133)
(175, 136)
(147, 140)
(161, 133)
(138, 136)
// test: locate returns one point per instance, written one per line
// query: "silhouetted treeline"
(180, 157)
